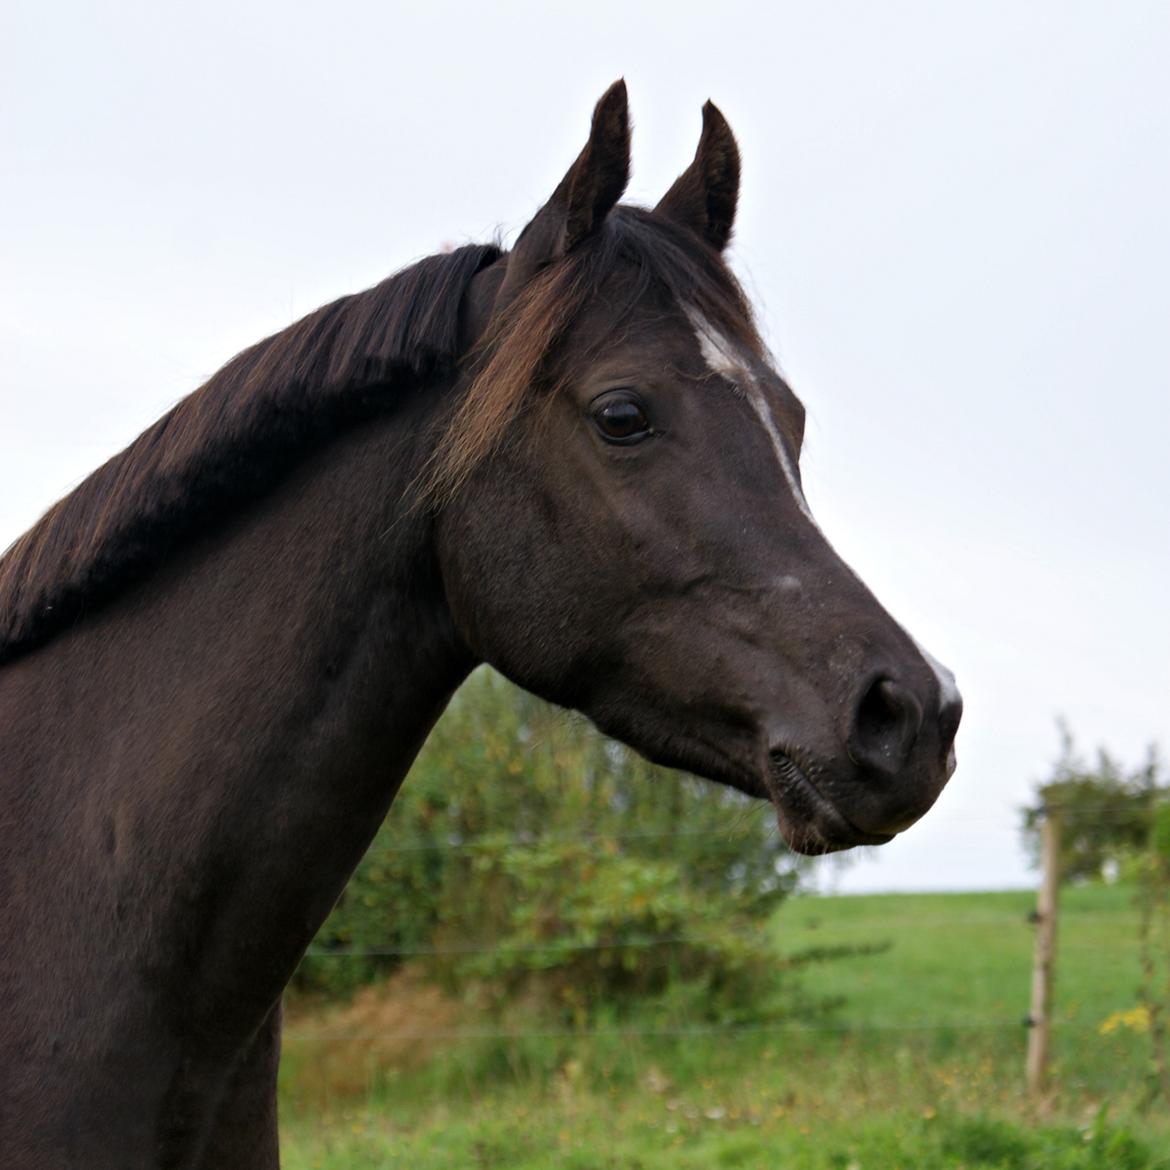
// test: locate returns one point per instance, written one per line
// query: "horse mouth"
(809, 822)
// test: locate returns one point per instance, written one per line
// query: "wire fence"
(634, 942)
(760, 1029)
(503, 842)
(1111, 810)
(1071, 1024)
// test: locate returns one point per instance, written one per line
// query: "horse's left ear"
(704, 196)
(583, 198)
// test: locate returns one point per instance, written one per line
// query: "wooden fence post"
(1040, 1016)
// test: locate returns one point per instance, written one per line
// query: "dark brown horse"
(223, 650)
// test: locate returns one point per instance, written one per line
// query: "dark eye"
(620, 417)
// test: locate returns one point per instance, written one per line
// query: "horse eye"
(620, 418)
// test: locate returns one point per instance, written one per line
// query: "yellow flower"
(1136, 1019)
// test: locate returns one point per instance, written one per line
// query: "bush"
(582, 924)
(528, 856)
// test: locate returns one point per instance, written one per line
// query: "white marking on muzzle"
(948, 693)
(947, 689)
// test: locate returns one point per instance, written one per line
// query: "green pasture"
(919, 1066)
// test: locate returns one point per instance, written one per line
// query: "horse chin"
(809, 822)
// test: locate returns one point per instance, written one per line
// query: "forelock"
(636, 257)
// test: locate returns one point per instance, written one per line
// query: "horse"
(220, 653)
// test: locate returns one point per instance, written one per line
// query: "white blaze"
(723, 358)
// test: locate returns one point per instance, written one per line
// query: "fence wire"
(1105, 810)
(1014, 1024)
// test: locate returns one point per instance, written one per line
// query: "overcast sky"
(954, 222)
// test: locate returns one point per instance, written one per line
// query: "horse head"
(622, 527)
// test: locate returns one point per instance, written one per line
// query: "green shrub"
(528, 856)
(580, 925)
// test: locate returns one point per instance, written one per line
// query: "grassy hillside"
(920, 1066)
(959, 968)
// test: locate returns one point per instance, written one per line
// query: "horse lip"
(825, 828)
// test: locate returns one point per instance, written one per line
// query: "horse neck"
(242, 720)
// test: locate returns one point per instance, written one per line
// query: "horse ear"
(704, 196)
(583, 198)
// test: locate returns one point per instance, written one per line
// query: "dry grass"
(336, 1052)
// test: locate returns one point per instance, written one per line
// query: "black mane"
(230, 440)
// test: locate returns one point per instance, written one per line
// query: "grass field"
(921, 1067)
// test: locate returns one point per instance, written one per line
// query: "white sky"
(954, 222)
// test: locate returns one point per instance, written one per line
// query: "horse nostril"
(885, 725)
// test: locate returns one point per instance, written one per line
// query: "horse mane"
(274, 403)
(231, 440)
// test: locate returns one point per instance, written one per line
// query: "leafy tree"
(1113, 817)
(529, 853)
(1152, 871)
(1105, 811)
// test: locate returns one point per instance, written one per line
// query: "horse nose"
(886, 722)
(950, 713)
